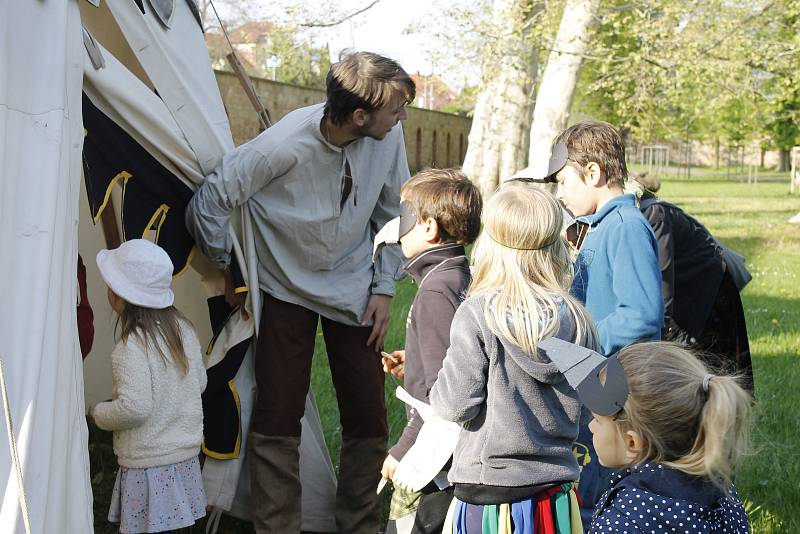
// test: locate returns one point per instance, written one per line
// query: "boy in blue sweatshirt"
(617, 276)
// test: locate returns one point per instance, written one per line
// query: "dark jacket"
(655, 498)
(691, 265)
(442, 276)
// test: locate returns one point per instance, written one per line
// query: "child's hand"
(394, 363)
(389, 465)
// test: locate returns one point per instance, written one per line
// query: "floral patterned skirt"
(156, 499)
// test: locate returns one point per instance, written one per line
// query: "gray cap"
(558, 158)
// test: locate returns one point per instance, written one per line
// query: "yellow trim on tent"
(186, 266)
(122, 211)
(125, 176)
(235, 453)
(161, 211)
(210, 346)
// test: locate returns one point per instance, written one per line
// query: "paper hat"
(582, 368)
(558, 158)
(394, 230)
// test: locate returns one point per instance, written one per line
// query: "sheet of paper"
(433, 447)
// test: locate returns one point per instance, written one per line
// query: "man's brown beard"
(364, 131)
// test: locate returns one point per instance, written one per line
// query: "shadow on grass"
(768, 477)
(747, 246)
(788, 212)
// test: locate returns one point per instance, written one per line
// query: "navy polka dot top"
(654, 499)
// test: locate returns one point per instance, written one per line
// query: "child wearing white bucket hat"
(155, 412)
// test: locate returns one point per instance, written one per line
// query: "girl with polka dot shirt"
(677, 440)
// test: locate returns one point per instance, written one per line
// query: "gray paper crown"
(582, 367)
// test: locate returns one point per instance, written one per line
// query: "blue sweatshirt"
(617, 275)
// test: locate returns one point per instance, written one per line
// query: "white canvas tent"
(41, 55)
(155, 82)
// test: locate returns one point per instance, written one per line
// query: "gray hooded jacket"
(519, 415)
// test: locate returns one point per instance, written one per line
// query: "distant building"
(432, 92)
(251, 40)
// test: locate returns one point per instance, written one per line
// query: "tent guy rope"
(12, 445)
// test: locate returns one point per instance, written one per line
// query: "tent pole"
(247, 84)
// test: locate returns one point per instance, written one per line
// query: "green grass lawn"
(750, 219)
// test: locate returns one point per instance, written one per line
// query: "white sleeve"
(134, 390)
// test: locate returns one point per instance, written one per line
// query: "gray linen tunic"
(311, 252)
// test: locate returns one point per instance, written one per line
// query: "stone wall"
(433, 138)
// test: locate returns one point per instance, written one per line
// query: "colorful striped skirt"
(553, 511)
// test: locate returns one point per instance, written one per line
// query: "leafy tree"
(687, 70)
(557, 87)
(275, 52)
(497, 145)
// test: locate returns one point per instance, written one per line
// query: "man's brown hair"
(598, 142)
(367, 81)
(450, 198)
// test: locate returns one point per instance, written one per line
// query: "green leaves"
(694, 69)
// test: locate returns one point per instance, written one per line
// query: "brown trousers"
(283, 372)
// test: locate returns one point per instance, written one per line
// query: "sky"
(382, 29)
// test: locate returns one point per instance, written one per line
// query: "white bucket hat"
(140, 272)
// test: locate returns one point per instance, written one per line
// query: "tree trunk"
(786, 160)
(499, 135)
(560, 77)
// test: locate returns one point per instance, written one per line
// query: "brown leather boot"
(358, 507)
(275, 483)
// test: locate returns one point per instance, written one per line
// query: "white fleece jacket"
(156, 412)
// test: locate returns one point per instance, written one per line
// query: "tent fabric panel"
(135, 108)
(227, 482)
(40, 150)
(176, 61)
(154, 200)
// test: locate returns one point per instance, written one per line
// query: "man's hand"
(378, 313)
(389, 465)
(233, 298)
(394, 363)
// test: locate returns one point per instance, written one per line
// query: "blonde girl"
(677, 441)
(519, 415)
(155, 412)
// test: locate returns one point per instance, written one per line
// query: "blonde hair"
(683, 426)
(149, 325)
(367, 81)
(523, 256)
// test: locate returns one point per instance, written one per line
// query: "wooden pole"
(264, 119)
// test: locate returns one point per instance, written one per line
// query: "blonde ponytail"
(722, 435)
(702, 433)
